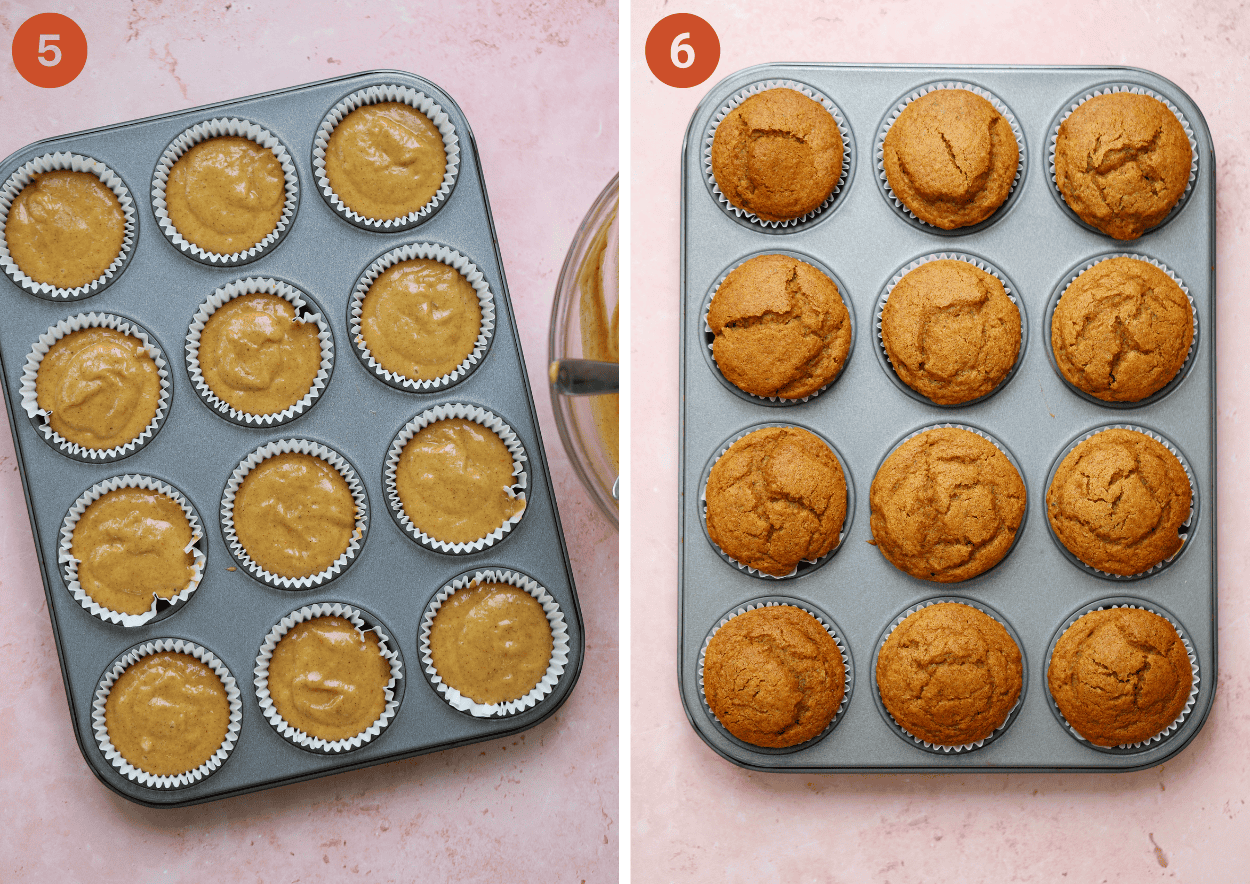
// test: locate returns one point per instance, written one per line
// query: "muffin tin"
(864, 239)
(196, 449)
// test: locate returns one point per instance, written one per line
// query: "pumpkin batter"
(225, 194)
(600, 336)
(385, 160)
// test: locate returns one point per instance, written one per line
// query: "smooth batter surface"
(452, 478)
(100, 386)
(385, 160)
(329, 679)
(65, 228)
(491, 642)
(601, 334)
(226, 194)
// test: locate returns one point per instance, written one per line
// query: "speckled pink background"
(695, 816)
(538, 83)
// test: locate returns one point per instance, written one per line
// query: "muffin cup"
(487, 419)
(364, 623)
(938, 748)
(980, 264)
(444, 255)
(160, 607)
(216, 128)
(835, 632)
(899, 206)
(848, 155)
(1188, 526)
(305, 311)
(559, 641)
(128, 659)
(334, 459)
(54, 162)
(377, 95)
(39, 417)
(1112, 603)
(805, 566)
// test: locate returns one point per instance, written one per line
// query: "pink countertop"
(538, 84)
(695, 816)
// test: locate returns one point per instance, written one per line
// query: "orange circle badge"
(49, 50)
(682, 50)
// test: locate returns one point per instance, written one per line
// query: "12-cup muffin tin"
(864, 239)
(392, 578)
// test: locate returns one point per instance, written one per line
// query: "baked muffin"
(951, 157)
(777, 155)
(950, 674)
(1120, 676)
(1122, 330)
(773, 676)
(946, 505)
(1122, 162)
(950, 331)
(780, 326)
(65, 228)
(775, 498)
(1118, 500)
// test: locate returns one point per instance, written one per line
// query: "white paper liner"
(492, 422)
(65, 553)
(295, 446)
(742, 95)
(265, 700)
(1011, 713)
(166, 781)
(377, 95)
(304, 312)
(1189, 651)
(216, 128)
(559, 640)
(879, 152)
(849, 678)
(444, 255)
(40, 417)
(75, 163)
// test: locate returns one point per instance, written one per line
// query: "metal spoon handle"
(584, 377)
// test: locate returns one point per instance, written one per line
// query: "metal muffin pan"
(863, 239)
(357, 415)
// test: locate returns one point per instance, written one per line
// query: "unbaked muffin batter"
(385, 160)
(65, 228)
(226, 194)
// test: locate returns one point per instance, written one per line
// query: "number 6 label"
(682, 50)
(49, 50)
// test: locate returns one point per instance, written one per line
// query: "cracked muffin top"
(1118, 501)
(777, 155)
(1122, 330)
(781, 328)
(950, 674)
(950, 330)
(1122, 162)
(1120, 676)
(775, 498)
(951, 157)
(946, 505)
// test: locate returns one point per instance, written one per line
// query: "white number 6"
(682, 54)
(45, 46)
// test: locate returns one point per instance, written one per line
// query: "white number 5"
(681, 54)
(45, 46)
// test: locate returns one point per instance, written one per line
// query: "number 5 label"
(682, 50)
(49, 50)
(47, 43)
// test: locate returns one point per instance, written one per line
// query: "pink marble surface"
(696, 817)
(538, 83)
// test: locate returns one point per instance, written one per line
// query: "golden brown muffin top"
(226, 194)
(65, 228)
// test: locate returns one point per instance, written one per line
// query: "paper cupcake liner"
(134, 655)
(559, 649)
(216, 128)
(39, 417)
(805, 566)
(377, 95)
(1062, 289)
(492, 422)
(73, 162)
(938, 748)
(65, 555)
(444, 255)
(1109, 89)
(1139, 604)
(305, 311)
(364, 623)
(848, 151)
(1189, 524)
(334, 459)
(878, 153)
(827, 623)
